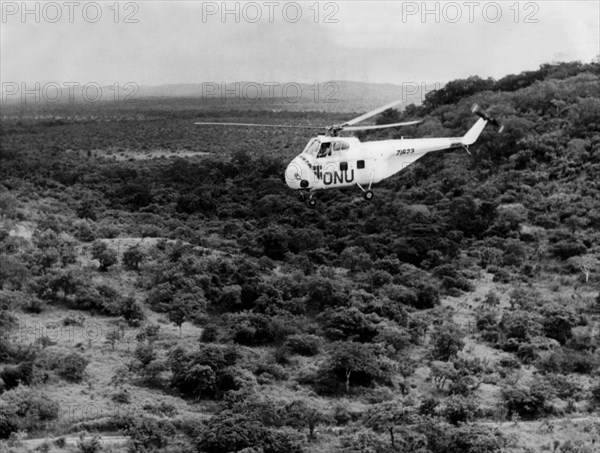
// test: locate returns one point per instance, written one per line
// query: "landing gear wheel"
(368, 195)
(311, 202)
(302, 196)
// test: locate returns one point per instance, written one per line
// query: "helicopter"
(330, 161)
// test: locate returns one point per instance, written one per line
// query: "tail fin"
(471, 136)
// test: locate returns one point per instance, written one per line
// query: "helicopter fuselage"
(336, 162)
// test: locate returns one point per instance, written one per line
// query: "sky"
(157, 42)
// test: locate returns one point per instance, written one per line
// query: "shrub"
(452, 280)
(398, 294)
(391, 309)
(230, 431)
(84, 232)
(596, 394)
(428, 296)
(107, 257)
(270, 371)
(72, 367)
(500, 274)
(8, 422)
(23, 374)
(393, 338)
(569, 361)
(558, 327)
(477, 439)
(492, 299)
(519, 325)
(485, 320)
(564, 386)
(210, 333)
(148, 434)
(90, 445)
(253, 329)
(349, 324)
(457, 409)
(122, 396)
(304, 344)
(27, 408)
(8, 321)
(204, 373)
(527, 402)
(567, 248)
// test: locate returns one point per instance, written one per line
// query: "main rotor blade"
(358, 119)
(382, 126)
(259, 125)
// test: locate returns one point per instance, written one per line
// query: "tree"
(146, 363)
(203, 373)
(586, 264)
(305, 412)
(203, 376)
(574, 223)
(387, 416)
(107, 257)
(356, 259)
(132, 258)
(355, 359)
(112, 336)
(85, 210)
(8, 205)
(8, 321)
(441, 372)
(180, 310)
(447, 341)
(132, 311)
(274, 241)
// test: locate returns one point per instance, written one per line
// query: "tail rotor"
(483, 114)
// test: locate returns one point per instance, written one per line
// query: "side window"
(340, 146)
(360, 164)
(343, 166)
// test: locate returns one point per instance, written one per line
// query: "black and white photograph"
(300, 226)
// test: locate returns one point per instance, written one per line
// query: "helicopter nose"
(295, 175)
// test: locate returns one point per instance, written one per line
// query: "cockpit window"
(325, 150)
(340, 146)
(312, 147)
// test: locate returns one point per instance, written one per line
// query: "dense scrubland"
(160, 282)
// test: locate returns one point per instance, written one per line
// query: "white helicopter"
(333, 162)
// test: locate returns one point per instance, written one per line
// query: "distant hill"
(330, 96)
(336, 95)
